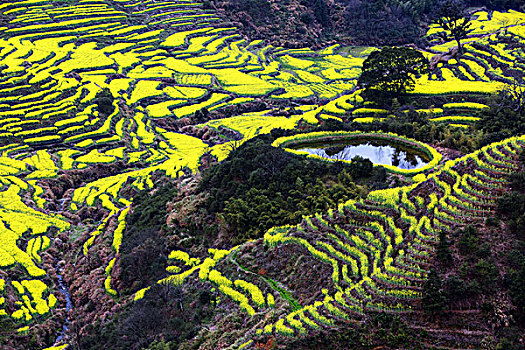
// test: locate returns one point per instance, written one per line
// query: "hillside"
(175, 175)
(315, 23)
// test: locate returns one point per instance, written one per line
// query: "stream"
(61, 202)
(62, 289)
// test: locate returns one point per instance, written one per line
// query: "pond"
(379, 152)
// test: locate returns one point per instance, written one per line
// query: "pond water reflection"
(378, 152)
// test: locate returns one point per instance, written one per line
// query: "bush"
(501, 119)
(468, 242)
(360, 167)
(443, 253)
(512, 205)
(485, 273)
(104, 101)
(144, 248)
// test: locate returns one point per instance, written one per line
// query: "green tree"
(104, 100)
(433, 300)
(321, 13)
(443, 254)
(390, 72)
(454, 21)
(506, 115)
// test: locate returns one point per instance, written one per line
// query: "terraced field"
(156, 61)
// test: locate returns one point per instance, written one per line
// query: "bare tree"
(515, 93)
(454, 21)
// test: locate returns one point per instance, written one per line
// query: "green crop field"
(94, 84)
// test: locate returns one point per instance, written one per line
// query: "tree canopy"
(390, 72)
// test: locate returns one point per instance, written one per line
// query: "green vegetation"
(506, 115)
(143, 253)
(260, 186)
